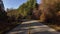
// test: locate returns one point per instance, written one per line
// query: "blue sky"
(14, 3)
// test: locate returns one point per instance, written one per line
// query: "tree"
(26, 8)
(3, 15)
(50, 9)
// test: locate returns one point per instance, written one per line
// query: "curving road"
(32, 27)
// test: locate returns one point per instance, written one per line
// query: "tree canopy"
(27, 7)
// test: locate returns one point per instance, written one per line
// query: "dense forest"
(46, 11)
(26, 9)
(51, 10)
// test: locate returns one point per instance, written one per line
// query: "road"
(32, 27)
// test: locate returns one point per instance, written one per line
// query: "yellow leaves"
(42, 17)
(58, 13)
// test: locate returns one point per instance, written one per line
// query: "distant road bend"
(32, 27)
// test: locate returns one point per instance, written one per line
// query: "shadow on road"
(45, 32)
(31, 24)
(33, 27)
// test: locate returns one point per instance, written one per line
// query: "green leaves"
(25, 8)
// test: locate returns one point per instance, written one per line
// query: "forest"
(46, 12)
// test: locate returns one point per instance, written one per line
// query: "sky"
(14, 3)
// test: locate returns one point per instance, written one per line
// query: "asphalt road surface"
(32, 27)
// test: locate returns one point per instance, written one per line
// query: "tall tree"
(50, 8)
(2, 11)
(26, 8)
